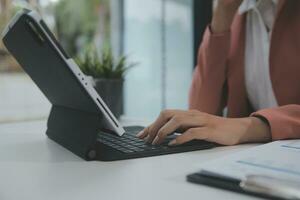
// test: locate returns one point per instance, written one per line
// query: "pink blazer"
(219, 80)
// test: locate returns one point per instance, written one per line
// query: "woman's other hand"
(224, 14)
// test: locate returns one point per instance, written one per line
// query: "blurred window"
(159, 36)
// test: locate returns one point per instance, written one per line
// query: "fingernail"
(140, 134)
(172, 143)
(148, 139)
(155, 141)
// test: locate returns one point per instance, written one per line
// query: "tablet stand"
(75, 130)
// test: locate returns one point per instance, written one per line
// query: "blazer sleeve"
(207, 89)
(284, 121)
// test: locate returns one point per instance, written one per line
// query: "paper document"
(280, 159)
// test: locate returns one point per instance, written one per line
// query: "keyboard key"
(128, 151)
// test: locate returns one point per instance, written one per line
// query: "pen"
(279, 188)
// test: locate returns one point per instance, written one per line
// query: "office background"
(162, 36)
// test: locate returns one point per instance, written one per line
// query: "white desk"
(34, 167)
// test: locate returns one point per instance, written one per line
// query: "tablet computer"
(33, 45)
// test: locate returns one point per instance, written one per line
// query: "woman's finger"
(163, 118)
(143, 133)
(191, 134)
(160, 121)
(171, 126)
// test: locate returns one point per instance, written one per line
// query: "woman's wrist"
(257, 130)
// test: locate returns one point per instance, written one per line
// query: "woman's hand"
(224, 14)
(197, 125)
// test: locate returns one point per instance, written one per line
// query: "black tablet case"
(74, 120)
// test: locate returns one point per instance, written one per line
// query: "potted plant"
(107, 76)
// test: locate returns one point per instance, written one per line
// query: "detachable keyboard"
(130, 144)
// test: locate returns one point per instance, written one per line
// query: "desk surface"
(34, 167)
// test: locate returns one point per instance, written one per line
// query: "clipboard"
(269, 171)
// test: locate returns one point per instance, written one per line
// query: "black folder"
(223, 182)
